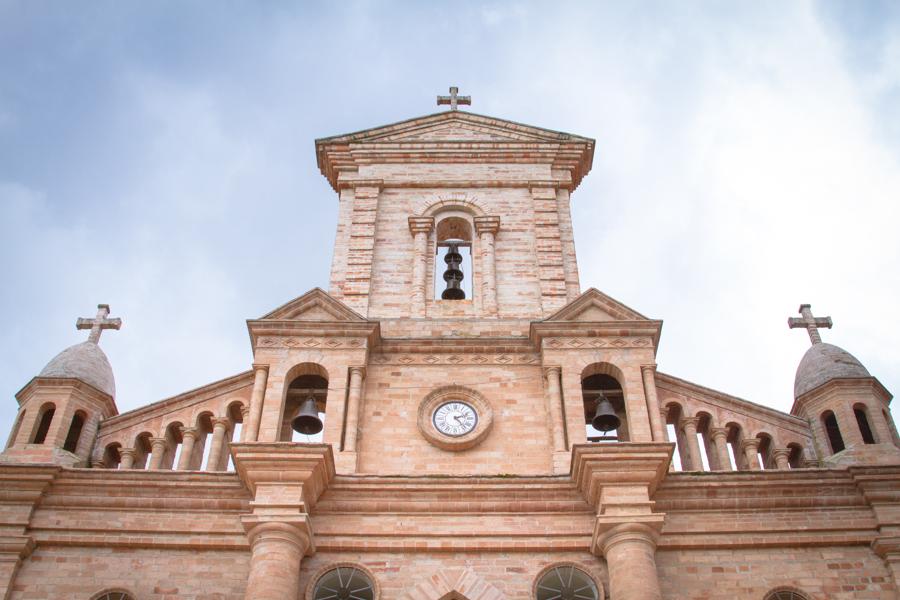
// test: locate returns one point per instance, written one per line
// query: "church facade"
(456, 418)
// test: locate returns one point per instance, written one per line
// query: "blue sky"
(159, 157)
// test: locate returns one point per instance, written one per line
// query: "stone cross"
(810, 322)
(453, 100)
(98, 323)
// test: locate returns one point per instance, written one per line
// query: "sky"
(159, 157)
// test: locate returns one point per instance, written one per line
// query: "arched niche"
(303, 381)
(604, 380)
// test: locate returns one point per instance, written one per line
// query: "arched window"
(304, 403)
(733, 443)
(764, 451)
(44, 421)
(344, 582)
(786, 594)
(453, 269)
(829, 421)
(604, 405)
(113, 595)
(74, 434)
(862, 420)
(566, 582)
(795, 458)
(111, 456)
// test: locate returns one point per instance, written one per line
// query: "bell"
(307, 420)
(605, 418)
(453, 275)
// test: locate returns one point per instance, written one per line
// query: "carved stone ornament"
(455, 393)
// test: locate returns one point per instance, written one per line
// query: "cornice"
(89, 392)
(368, 330)
(546, 329)
(831, 388)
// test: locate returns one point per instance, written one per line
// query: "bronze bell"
(605, 419)
(307, 420)
(453, 275)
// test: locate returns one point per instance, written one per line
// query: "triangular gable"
(455, 126)
(594, 306)
(314, 305)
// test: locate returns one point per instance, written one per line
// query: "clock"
(455, 418)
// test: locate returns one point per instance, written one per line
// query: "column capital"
(487, 224)
(715, 432)
(127, 451)
(780, 452)
(245, 410)
(421, 224)
(358, 369)
(645, 533)
(651, 368)
(752, 443)
(550, 371)
(261, 367)
(292, 529)
(158, 441)
(192, 432)
(689, 423)
(224, 422)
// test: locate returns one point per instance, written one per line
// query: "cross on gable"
(98, 323)
(810, 322)
(453, 100)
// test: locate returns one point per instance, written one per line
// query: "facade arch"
(864, 423)
(602, 390)
(550, 581)
(346, 566)
(302, 382)
(452, 202)
(111, 456)
(832, 431)
(114, 594)
(76, 426)
(42, 423)
(786, 593)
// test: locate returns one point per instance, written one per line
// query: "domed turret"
(822, 363)
(61, 409)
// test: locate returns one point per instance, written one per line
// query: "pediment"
(454, 584)
(595, 306)
(315, 305)
(455, 126)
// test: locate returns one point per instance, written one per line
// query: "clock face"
(455, 418)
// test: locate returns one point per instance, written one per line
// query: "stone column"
(189, 435)
(554, 390)
(689, 427)
(276, 549)
(260, 375)
(353, 401)
(781, 456)
(648, 372)
(420, 228)
(487, 228)
(719, 437)
(158, 450)
(245, 421)
(220, 426)
(750, 448)
(126, 458)
(630, 551)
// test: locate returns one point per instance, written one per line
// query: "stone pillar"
(630, 551)
(353, 401)
(260, 375)
(648, 372)
(689, 427)
(719, 437)
(276, 549)
(245, 421)
(781, 456)
(750, 448)
(220, 426)
(188, 437)
(158, 450)
(420, 228)
(554, 390)
(487, 228)
(126, 458)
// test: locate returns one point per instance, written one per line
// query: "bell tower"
(454, 215)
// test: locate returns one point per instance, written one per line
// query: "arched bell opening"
(111, 456)
(200, 458)
(861, 412)
(303, 419)
(74, 434)
(142, 451)
(764, 451)
(453, 270)
(674, 433)
(174, 445)
(704, 440)
(605, 416)
(42, 423)
(733, 439)
(795, 458)
(235, 414)
(833, 431)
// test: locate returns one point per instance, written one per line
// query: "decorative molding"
(319, 343)
(448, 394)
(460, 358)
(604, 342)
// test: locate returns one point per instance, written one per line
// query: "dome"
(84, 361)
(822, 363)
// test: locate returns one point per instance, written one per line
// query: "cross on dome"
(98, 323)
(453, 100)
(810, 322)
